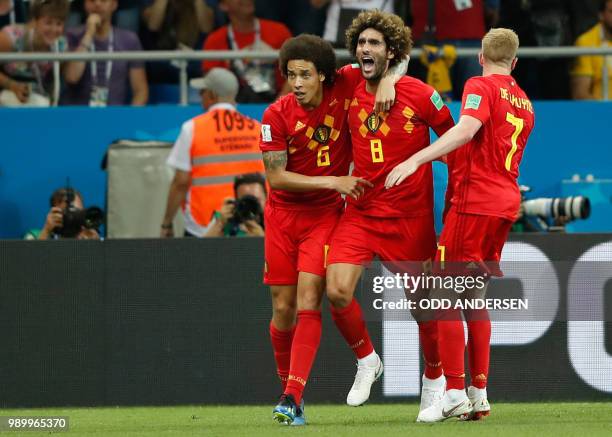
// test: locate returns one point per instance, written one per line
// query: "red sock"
(281, 345)
(303, 351)
(428, 336)
(479, 340)
(451, 341)
(351, 325)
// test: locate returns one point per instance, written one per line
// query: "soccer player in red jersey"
(496, 120)
(396, 225)
(306, 152)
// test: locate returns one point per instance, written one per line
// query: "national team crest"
(373, 122)
(321, 134)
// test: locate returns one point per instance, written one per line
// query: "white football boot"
(478, 398)
(365, 377)
(454, 403)
(431, 391)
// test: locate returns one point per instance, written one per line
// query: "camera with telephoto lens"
(74, 219)
(552, 213)
(570, 208)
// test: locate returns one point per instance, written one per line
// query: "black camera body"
(74, 219)
(245, 208)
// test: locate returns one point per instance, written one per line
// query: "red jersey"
(381, 143)
(273, 35)
(483, 172)
(317, 141)
(451, 22)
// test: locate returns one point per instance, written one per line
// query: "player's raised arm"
(454, 138)
(279, 178)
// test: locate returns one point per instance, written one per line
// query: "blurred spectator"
(5, 6)
(102, 83)
(461, 23)
(220, 18)
(174, 25)
(299, 15)
(243, 215)
(12, 12)
(127, 15)
(54, 227)
(588, 72)
(583, 14)
(34, 83)
(210, 151)
(341, 13)
(259, 81)
(177, 23)
(543, 23)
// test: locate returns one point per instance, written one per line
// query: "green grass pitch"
(537, 419)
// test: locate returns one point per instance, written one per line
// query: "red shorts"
(296, 241)
(474, 239)
(358, 238)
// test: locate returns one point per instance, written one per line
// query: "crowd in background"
(111, 25)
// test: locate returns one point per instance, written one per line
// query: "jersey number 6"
(323, 156)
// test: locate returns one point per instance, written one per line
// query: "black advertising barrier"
(155, 322)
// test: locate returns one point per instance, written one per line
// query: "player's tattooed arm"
(280, 179)
(274, 161)
(385, 94)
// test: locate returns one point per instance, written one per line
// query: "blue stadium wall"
(42, 147)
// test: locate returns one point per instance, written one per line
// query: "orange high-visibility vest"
(225, 144)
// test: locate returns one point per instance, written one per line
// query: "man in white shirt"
(211, 150)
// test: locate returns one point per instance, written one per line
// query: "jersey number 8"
(377, 151)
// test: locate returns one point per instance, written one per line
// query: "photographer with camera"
(243, 215)
(211, 150)
(67, 218)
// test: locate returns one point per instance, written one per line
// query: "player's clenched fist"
(351, 186)
(401, 172)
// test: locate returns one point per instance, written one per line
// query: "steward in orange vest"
(211, 150)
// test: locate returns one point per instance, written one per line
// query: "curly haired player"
(396, 225)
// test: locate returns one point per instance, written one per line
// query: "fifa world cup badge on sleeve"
(472, 101)
(437, 100)
(266, 133)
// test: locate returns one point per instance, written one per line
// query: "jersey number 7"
(518, 124)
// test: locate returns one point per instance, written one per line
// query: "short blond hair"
(500, 45)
